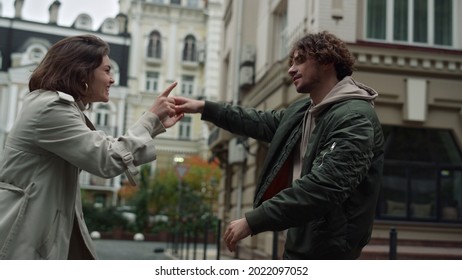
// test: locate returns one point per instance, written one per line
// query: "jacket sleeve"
(61, 130)
(339, 167)
(257, 124)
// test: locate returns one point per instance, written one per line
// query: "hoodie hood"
(346, 89)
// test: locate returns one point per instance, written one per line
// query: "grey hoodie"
(345, 89)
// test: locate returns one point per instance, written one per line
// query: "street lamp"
(181, 171)
(178, 159)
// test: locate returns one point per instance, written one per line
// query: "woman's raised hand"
(164, 108)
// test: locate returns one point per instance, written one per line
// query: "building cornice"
(30, 26)
(409, 60)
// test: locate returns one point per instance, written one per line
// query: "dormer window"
(110, 26)
(83, 21)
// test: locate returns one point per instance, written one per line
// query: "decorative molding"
(426, 63)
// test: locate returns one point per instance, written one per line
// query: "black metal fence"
(190, 242)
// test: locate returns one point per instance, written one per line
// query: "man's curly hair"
(325, 48)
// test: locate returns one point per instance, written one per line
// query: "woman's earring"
(86, 87)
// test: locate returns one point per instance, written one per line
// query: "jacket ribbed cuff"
(210, 111)
(256, 220)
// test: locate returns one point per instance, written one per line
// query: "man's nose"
(291, 71)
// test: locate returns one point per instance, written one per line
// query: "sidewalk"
(186, 253)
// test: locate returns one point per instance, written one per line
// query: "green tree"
(188, 200)
(141, 199)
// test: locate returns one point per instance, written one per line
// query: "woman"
(52, 141)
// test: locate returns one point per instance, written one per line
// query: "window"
(423, 22)
(36, 54)
(152, 81)
(422, 176)
(103, 119)
(102, 115)
(443, 22)
(185, 127)
(175, 2)
(110, 26)
(155, 45)
(451, 197)
(187, 85)
(83, 21)
(189, 51)
(280, 27)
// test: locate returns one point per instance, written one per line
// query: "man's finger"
(169, 89)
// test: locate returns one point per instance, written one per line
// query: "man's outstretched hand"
(237, 230)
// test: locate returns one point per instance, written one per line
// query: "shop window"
(422, 176)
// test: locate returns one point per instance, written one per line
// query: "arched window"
(189, 51)
(34, 53)
(155, 45)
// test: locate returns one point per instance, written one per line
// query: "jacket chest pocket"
(13, 203)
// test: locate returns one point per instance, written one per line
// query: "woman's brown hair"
(68, 65)
(325, 48)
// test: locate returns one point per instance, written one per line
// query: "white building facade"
(174, 41)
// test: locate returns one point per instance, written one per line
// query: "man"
(330, 145)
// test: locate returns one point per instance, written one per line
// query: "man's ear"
(328, 67)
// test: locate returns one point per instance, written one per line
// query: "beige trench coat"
(40, 205)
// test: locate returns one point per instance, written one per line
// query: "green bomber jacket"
(329, 211)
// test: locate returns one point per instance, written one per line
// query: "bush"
(103, 219)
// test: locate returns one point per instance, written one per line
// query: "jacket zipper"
(330, 150)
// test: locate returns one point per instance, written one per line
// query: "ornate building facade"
(174, 41)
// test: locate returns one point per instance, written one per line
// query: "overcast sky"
(37, 10)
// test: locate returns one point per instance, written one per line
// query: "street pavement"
(130, 250)
(108, 249)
